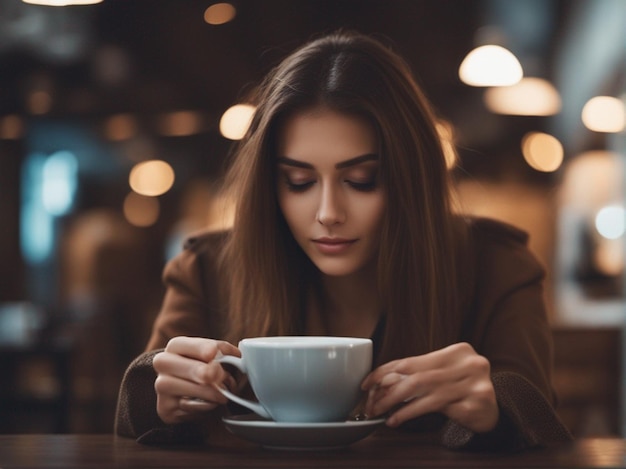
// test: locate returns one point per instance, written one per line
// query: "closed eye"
(299, 186)
(366, 186)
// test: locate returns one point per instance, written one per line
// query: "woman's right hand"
(188, 376)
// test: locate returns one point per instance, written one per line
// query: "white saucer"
(303, 436)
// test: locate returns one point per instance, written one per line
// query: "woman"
(344, 226)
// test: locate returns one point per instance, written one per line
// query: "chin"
(335, 270)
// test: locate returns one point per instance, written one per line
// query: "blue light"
(36, 230)
(48, 191)
(59, 182)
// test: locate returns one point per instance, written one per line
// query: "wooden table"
(105, 451)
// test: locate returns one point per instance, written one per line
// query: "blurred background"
(114, 133)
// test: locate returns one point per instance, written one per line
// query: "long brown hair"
(417, 266)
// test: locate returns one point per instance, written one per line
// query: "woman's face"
(329, 189)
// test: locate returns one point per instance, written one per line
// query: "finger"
(438, 400)
(405, 366)
(405, 389)
(378, 391)
(200, 348)
(196, 371)
(171, 386)
(172, 409)
(391, 379)
(175, 409)
(413, 409)
(168, 410)
(396, 389)
(375, 377)
(195, 404)
(452, 357)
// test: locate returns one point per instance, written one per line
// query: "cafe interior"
(117, 119)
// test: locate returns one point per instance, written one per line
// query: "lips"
(333, 245)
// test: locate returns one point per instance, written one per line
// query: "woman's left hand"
(455, 381)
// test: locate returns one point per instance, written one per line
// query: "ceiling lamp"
(62, 3)
(528, 97)
(604, 114)
(490, 65)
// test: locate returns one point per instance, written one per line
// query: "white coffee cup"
(303, 378)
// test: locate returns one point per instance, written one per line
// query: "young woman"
(344, 226)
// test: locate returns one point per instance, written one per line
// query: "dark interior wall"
(11, 266)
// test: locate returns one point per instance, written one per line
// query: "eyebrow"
(342, 164)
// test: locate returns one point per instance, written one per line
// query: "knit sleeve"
(527, 419)
(136, 415)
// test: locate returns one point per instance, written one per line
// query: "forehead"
(322, 131)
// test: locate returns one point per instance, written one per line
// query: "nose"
(331, 210)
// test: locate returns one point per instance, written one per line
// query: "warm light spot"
(120, 127)
(220, 13)
(490, 65)
(236, 120)
(542, 151)
(39, 102)
(610, 221)
(604, 114)
(11, 127)
(141, 210)
(447, 142)
(62, 3)
(151, 178)
(529, 97)
(180, 123)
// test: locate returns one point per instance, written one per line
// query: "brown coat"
(505, 321)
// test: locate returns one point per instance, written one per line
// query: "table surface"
(104, 451)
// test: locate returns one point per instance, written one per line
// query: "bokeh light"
(220, 13)
(180, 123)
(12, 127)
(120, 127)
(236, 120)
(542, 151)
(529, 97)
(610, 221)
(604, 114)
(490, 65)
(140, 210)
(151, 178)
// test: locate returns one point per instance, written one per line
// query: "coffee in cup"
(302, 378)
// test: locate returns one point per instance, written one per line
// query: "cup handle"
(253, 406)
